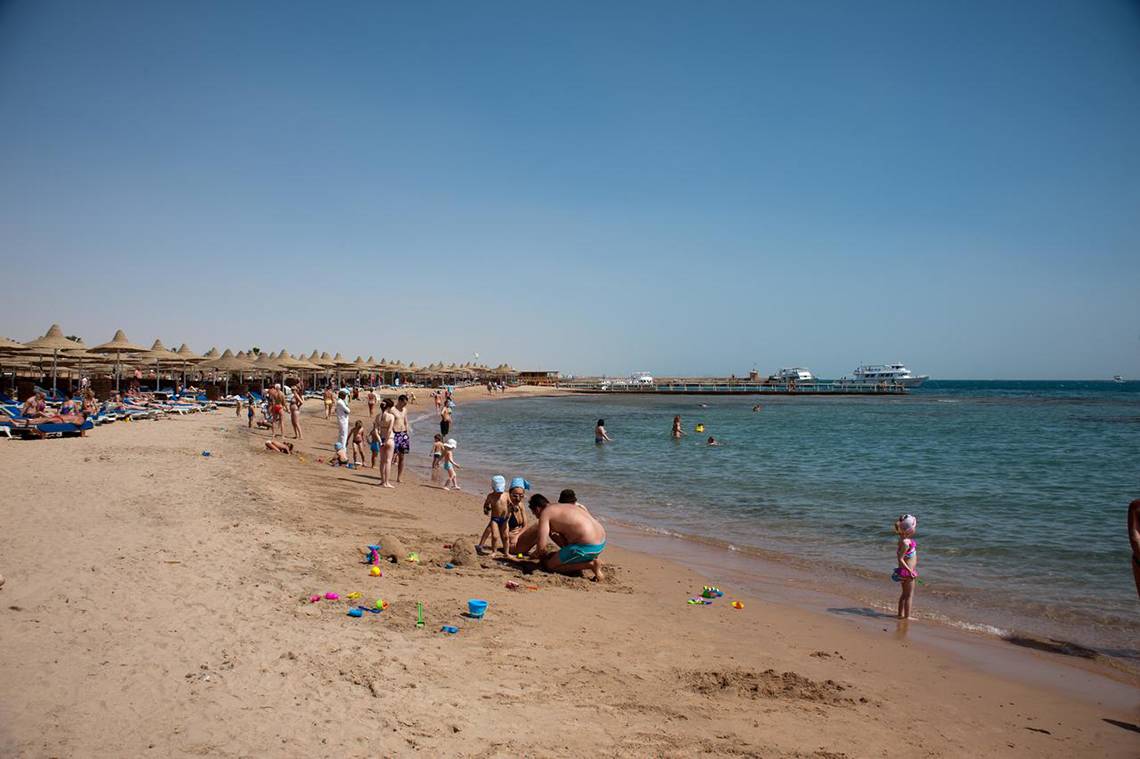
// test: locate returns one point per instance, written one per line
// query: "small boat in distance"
(1118, 378)
(794, 374)
(891, 373)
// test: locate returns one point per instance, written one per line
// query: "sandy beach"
(157, 604)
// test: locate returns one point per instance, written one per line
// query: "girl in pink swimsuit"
(907, 555)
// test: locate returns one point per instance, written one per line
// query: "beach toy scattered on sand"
(381, 604)
(375, 571)
(449, 565)
(355, 613)
(352, 595)
(206, 454)
(419, 613)
(476, 607)
(512, 585)
(449, 629)
(332, 596)
(314, 599)
(699, 601)
(710, 591)
(738, 604)
(413, 556)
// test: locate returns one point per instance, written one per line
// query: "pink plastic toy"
(332, 596)
(314, 599)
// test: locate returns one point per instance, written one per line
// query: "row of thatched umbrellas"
(75, 352)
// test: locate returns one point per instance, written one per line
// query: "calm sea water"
(1020, 488)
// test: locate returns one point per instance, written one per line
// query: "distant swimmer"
(712, 441)
(704, 405)
(757, 407)
(600, 435)
(677, 431)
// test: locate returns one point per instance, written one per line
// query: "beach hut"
(50, 345)
(118, 345)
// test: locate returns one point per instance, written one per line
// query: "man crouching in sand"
(579, 537)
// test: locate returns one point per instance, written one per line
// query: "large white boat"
(794, 374)
(897, 374)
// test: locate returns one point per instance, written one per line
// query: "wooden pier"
(819, 387)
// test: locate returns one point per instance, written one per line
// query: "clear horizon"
(598, 190)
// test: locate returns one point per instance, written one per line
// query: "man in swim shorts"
(579, 537)
(401, 434)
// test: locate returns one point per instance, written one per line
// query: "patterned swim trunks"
(403, 444)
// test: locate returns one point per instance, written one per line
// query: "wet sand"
(157, 604)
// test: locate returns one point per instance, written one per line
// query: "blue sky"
(593, 187)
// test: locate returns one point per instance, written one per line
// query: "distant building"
(540, 377)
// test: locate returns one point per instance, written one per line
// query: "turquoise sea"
(1020, 488)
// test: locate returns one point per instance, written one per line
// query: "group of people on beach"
(567, 526)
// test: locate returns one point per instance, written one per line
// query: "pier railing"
(819, 387)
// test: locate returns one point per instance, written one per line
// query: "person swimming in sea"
(712, 441)
(600, 435)
(907, 554)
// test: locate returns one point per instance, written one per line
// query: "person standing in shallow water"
(445, 420)
(677, 431)
(1134, 539)
(600, 435)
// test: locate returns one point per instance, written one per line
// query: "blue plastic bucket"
(476, 608)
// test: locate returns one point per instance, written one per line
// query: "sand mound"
(768, 684)
(392, 548)
(462, 552)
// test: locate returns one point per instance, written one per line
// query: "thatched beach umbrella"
(11, 347)
(187, 357)
(118, 345)
(53, 342)
(227, 363)
(159, 353)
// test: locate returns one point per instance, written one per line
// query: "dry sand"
(156, 604)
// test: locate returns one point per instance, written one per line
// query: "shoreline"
(182, 611)
(863, 588)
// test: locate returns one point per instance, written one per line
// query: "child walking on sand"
(907, 554)
(374, 445)
(496, 506)
(436, 457)
(358, 442)
(449, 465)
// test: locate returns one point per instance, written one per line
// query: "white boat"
(795, 374)
(641, 378)
(1118, 378)
(896, 374)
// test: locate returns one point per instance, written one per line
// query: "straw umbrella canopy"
(7, 345)
(159, 353)
(187, 357)
(118, 345)
(211, 354)
(52, 342)
(11, 346)
(227, 363)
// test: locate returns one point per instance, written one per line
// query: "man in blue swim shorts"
(579, 537)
